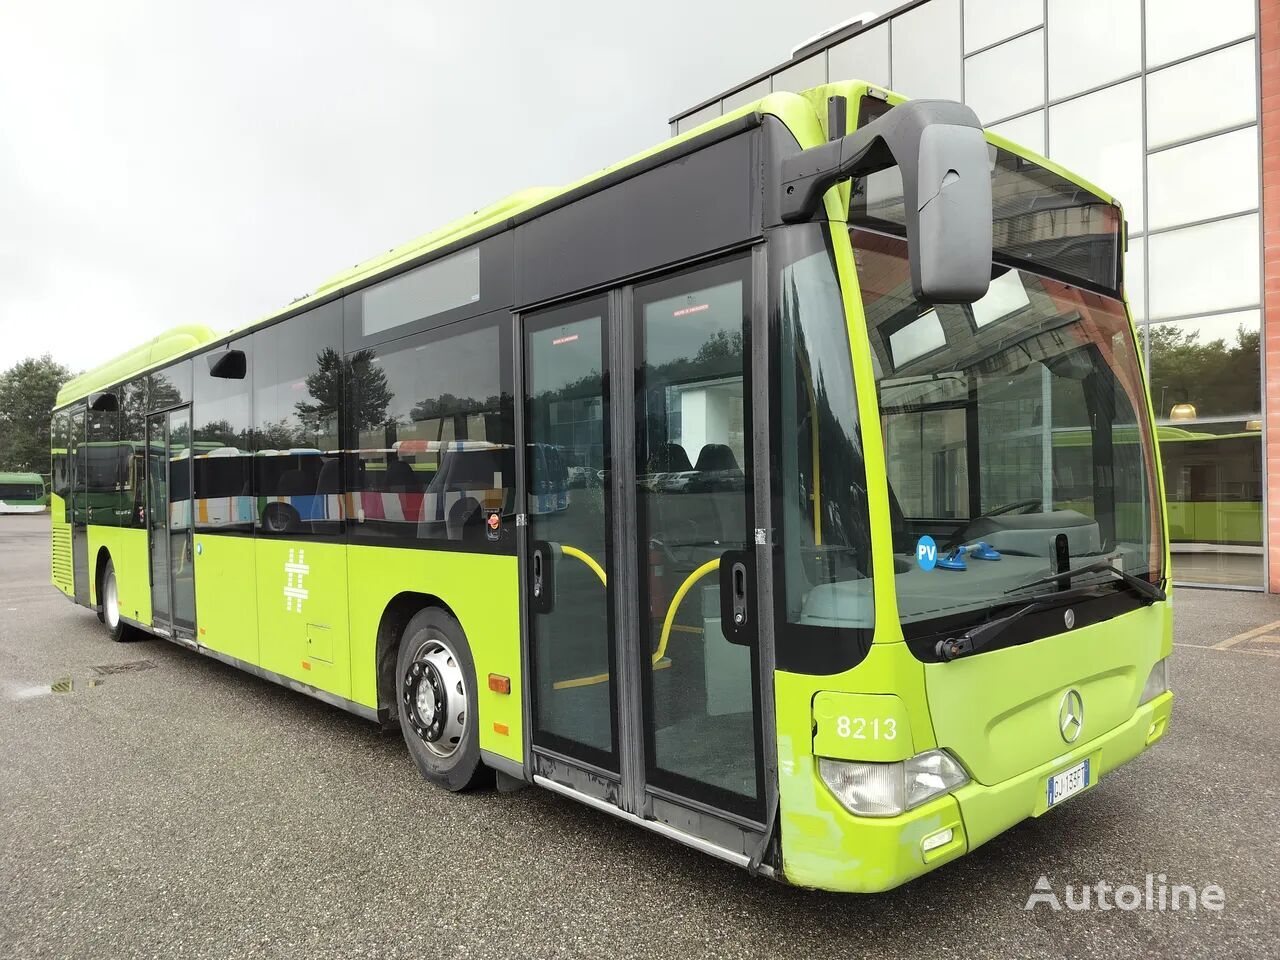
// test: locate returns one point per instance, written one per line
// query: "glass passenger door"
(169, 519)
(78, 511)
(570, 526)
(638, 553)
(158, 521)
(181, 555)
(694, 530)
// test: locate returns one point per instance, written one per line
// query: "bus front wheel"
(436, 699)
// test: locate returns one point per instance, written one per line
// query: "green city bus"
(716, 491)
(23, 493)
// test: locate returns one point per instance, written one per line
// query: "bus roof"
(15, 477)
(804, 114)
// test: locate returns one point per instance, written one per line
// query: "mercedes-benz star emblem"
(1071, 715)
(1069, 618)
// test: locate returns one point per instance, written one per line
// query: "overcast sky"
(207, 162)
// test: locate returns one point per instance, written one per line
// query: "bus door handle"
(737, 622)
(738, 576)
(542, 577)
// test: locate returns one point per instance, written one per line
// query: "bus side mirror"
(228, 365)
(106, 402)
(942, 153)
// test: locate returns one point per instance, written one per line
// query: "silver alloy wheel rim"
(111, 600)
(440, 656)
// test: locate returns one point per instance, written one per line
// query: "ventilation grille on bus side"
(61, 565)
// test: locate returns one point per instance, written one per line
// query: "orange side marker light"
(501, 728)
(499, 684)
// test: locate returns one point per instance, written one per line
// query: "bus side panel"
(302, 612)
(481, 590)
(60, 547)
(227, 595)
(128, 550)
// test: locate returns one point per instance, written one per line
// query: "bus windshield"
(1014, 422)
(21, 491)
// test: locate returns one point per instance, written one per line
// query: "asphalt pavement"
(168, 805)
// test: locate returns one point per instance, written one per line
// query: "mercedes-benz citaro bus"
(863, 560)
(22, 493)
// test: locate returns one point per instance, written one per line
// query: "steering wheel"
(1020, 506)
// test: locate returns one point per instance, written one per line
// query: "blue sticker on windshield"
(926, 553)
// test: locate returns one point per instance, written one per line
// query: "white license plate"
(1068, 783)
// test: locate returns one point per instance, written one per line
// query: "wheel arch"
(399, 610)
(100, 561)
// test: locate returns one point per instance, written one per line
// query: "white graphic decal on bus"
(295, 570)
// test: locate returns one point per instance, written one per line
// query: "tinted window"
(107, 470)
(297, 393)
(21, 492)
(819, 475)
(133, 424)
(1039, 217)
(432, 433)
(169, 387)
(222, 449)
(444, 284)
(76, 465)
(59, 465)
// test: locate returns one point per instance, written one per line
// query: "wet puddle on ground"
(12, 691)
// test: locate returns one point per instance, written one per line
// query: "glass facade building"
(1162, 103)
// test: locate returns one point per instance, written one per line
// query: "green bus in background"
(717, 491)
(23, 493)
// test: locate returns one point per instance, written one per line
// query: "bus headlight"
(888, 789)
(1157, 681)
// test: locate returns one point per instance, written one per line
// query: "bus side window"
(297, 381)
(222, 449)
(430, 427)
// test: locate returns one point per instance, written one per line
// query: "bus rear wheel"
(437, 701)
(109, 606)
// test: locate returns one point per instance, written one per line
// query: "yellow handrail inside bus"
(668, 623)
(587, 559)
(685, 587)
(599, 572)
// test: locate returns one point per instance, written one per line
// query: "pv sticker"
(926, 553)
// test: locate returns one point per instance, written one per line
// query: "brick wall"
(1269, 38)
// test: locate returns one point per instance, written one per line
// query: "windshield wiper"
(984, 634)
(1144, 587)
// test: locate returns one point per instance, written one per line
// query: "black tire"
(433, 645)
(102, 617)
(120, 631)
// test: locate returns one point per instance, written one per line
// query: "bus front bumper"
(835, 850)
(990, 810)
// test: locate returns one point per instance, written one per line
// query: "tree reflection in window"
(1219, 376)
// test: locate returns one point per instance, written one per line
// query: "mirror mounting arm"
(942, 152)
(809, 174)
(890, 140)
